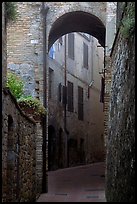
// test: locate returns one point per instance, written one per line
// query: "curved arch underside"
(77, 21)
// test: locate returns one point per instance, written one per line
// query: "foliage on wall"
(10, 11)
(128, 21)
(16, 86)
(27, 102)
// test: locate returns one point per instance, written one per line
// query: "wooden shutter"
(70, 97)
(85, 55)
(50, 82)
(64, 95)
(80, 103)
(71, 45)
(59, 91)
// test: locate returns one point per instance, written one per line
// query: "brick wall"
(24, 46)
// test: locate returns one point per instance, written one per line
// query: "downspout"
(65, 105)
(45, 103)
(104, 74)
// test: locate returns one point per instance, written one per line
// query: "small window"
(52, 52)
(50, 82)
(71, 45)
(80, 103)
(85, 55)
(60, 40)
(60, 43)
(70, 97)
(64, 100)
(60, 92)
(37, 89)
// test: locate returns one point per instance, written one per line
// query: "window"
(60, 43)
(64, 99)
(52, 52)
(71, 45)
(60, 40)
(80, 103)
(102, 90)
(50, 82)
(70, 97)
(60, 92)
(85, 55)
(37, 89)
(85, 35)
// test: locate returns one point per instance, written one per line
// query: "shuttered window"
(59, 92)
(50, 82)
(80, 103)
(71, 45)
(64, 99)
(85, 55)
(70, 97)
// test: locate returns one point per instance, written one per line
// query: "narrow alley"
(68, 102)
(76, 184)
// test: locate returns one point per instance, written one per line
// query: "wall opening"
(77, 21)
(74, 146)
(52, 146)
(12, 163)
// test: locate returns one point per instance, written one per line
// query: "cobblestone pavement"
(84, 183)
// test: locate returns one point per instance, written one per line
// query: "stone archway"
(87, 17)
(90, 19)
(77, 21)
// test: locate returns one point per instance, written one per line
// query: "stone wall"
(39, 157)
(108, 76)
(55, 17)
(120, 174)
(18, 153)
(4, 54)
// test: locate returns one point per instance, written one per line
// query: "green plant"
(10, 11)
(15, 84)
(33, 103)
(128, 22)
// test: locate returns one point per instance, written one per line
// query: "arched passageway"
(77, 21)
(74, 21)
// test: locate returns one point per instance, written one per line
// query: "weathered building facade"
(76, 61)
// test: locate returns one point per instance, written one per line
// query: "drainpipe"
(104, 74)
(65, 105)
(45, 103)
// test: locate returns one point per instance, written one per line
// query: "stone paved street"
(77, 184)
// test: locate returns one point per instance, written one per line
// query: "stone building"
(18, 142)
(85, 111)
(38, 26)
(75, 123)
(84, 82)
